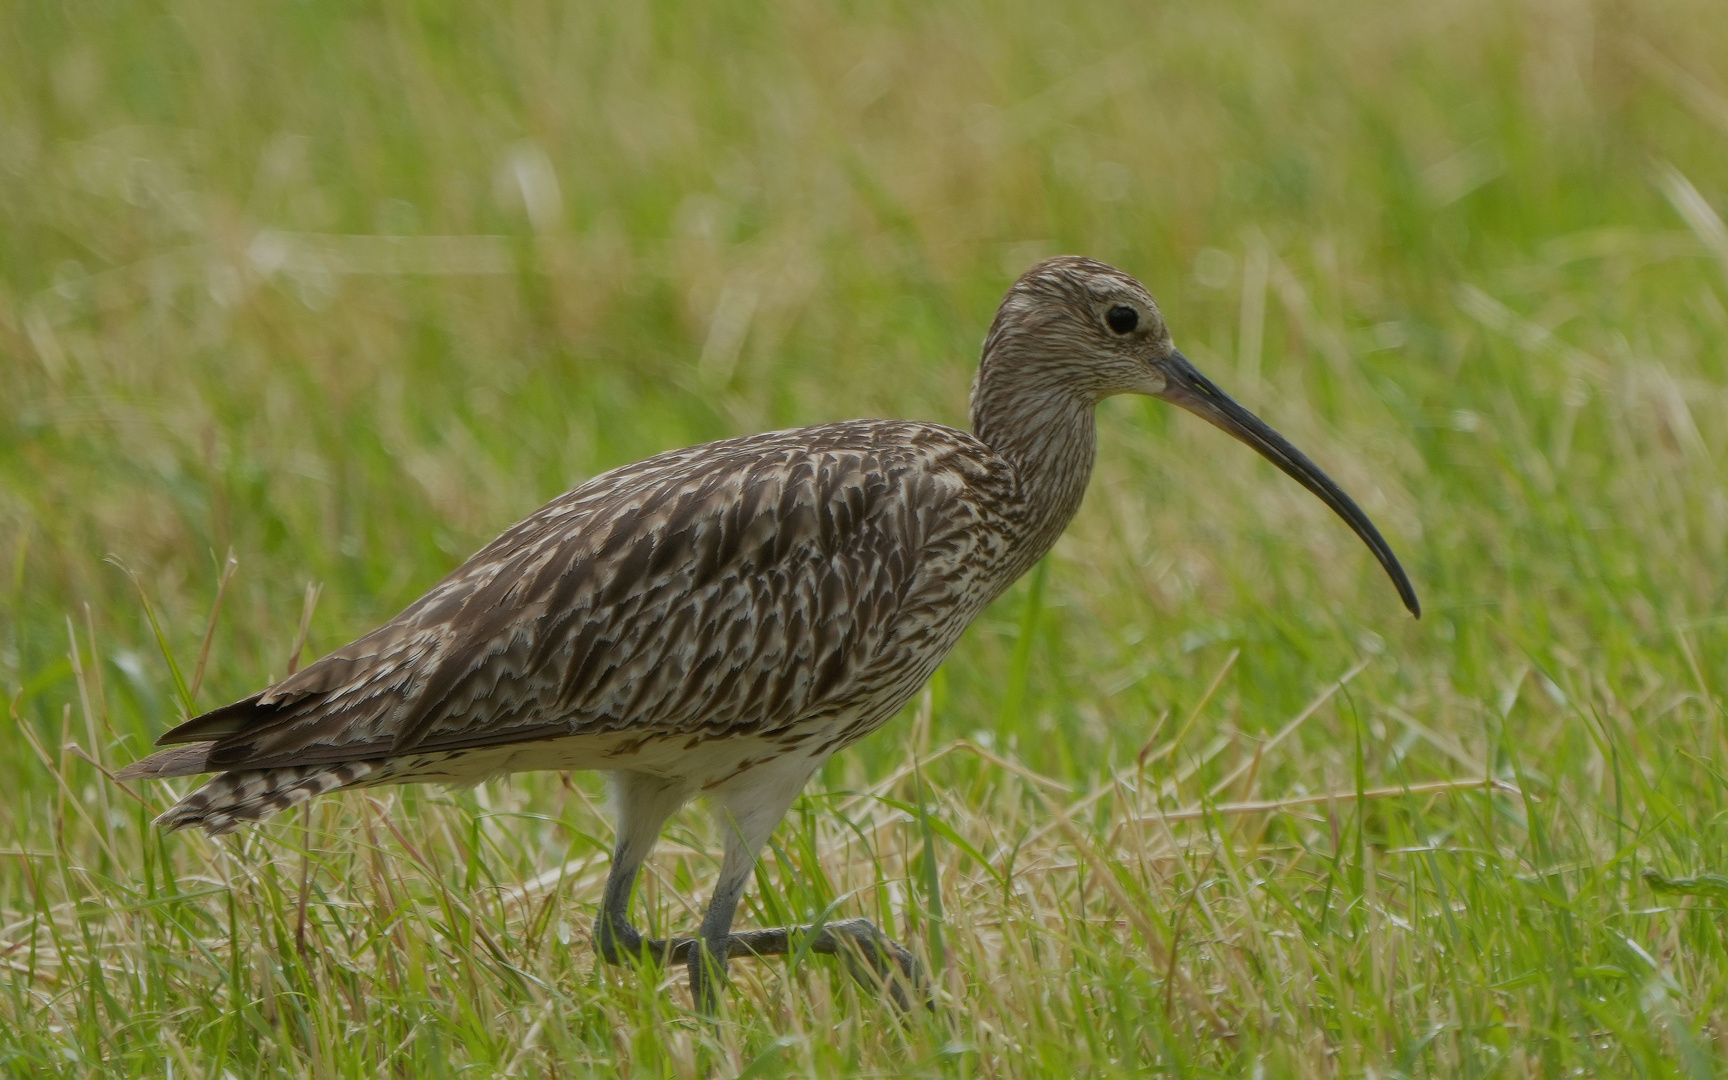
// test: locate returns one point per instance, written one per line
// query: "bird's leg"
(747, 808)
(748, 811)
(712, 946)
(614, 937)
(644, 803)
(873, 958)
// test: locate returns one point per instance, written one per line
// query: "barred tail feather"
(252, 795)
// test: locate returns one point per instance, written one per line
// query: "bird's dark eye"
(1122, 318)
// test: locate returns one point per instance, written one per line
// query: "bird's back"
(754, 586)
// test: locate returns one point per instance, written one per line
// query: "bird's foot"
(620, 945)
(871, 957)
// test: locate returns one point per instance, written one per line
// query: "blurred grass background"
(346, 289)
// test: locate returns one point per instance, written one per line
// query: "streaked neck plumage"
(1027, 409)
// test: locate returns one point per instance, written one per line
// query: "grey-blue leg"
(748, 809)
(644, 803)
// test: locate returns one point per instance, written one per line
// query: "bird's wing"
(741, 585)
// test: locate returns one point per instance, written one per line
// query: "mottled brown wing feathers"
(739, 585)
(174, 761)
(216, 723)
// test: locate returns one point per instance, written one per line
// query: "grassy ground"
(344, 291)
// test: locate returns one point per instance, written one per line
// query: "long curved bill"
(1185, 386)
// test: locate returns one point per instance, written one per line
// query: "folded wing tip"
(163, 764)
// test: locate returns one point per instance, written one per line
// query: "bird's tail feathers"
(252, 795)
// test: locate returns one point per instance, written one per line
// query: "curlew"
(718, 620)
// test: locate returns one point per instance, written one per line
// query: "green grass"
(1469, 255)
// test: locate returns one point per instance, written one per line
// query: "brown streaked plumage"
(718, 620)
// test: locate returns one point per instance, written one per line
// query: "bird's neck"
(1049, 434)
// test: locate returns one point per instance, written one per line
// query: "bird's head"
(1073, 326)
(1078, 326)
